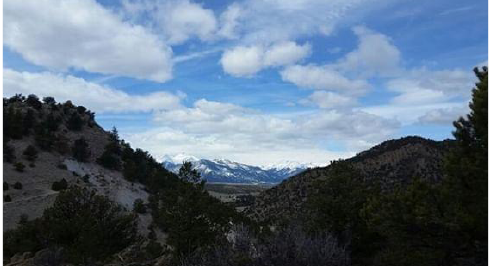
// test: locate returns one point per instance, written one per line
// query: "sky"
(254, 81)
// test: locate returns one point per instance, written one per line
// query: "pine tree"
(466, 167)
(80, 150)
(189, 174)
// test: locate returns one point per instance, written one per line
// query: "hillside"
(391, 163)
(55, 162)
(57, 149)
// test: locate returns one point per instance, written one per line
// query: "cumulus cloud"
(179, 21)
(229, 22)
(323, 78)
(443, 116)
(329, 100)
(232, 131)
(429, 86)
(375, 54)
(94, 96)
(245, 61)
(83, 35)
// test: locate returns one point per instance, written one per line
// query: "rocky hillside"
(390, 163)
(51, 130)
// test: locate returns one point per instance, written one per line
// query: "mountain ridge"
(227, 171)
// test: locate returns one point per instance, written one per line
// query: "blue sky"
(258, 82)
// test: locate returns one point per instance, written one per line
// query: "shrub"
(86, 178)
(33, 101)
(30, 153)
(80, 150)
(62, 166)
(19, 167)
(75, 122)
(5, 186)
(49, 100)
(8, 153)
(139, 206)
(81, 109)
(88, 225)
(60, 185)
(17, 185)
(7, 198)
(153, 249)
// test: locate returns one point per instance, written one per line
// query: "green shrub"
(30, 153)
(80, 150)
(5, 186)
(17, 185)
(8, 153)
(7, 198)
(60, 185)
(88, 225)
(154, 249)
(75, 122)
(19, 166)
(62, 166)
(139, 206)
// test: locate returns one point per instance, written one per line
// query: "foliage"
(336, 208)
(187, 173)
(75, 122)
(110, 158)
(7, 198)
(60, 185)
(17, 185)
(30, 153)
(80, 150)
(8, 153)
(87, 226)
(289, 246)
(154, 249)
(139, 206)
(29, 121)
(49, 100)
(5, 186)
(19, 167)
(33, 101)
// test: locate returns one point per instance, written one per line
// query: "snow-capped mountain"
(226, 171)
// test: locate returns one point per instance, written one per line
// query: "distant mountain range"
(226, 171)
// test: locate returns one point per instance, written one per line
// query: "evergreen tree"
(29, 121)
(80, 150)
(33, 101)
(466, 185)
(189, 174)
(75, 122)
(30, 153)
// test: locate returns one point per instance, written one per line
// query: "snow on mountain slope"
(226, 171)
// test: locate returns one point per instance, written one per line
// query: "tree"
(466, 186)
(75, 122)
(33, 101)
(19, 166)
(18, 185)
(30, 153)
(189, 174)
(8, 153)
(29, 121)
(80, 150)
(49, 100)
(87, 225)
(139, 206)
(60, 185)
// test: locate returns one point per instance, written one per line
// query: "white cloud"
(375, 55)
(242, 61)
(329, 100)
(323, 78)
(83, 35)
(229, 21)
(182, 20)
(245, 61)
(95, 97)
(227, 130)
(443, 116)
(286, 53)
